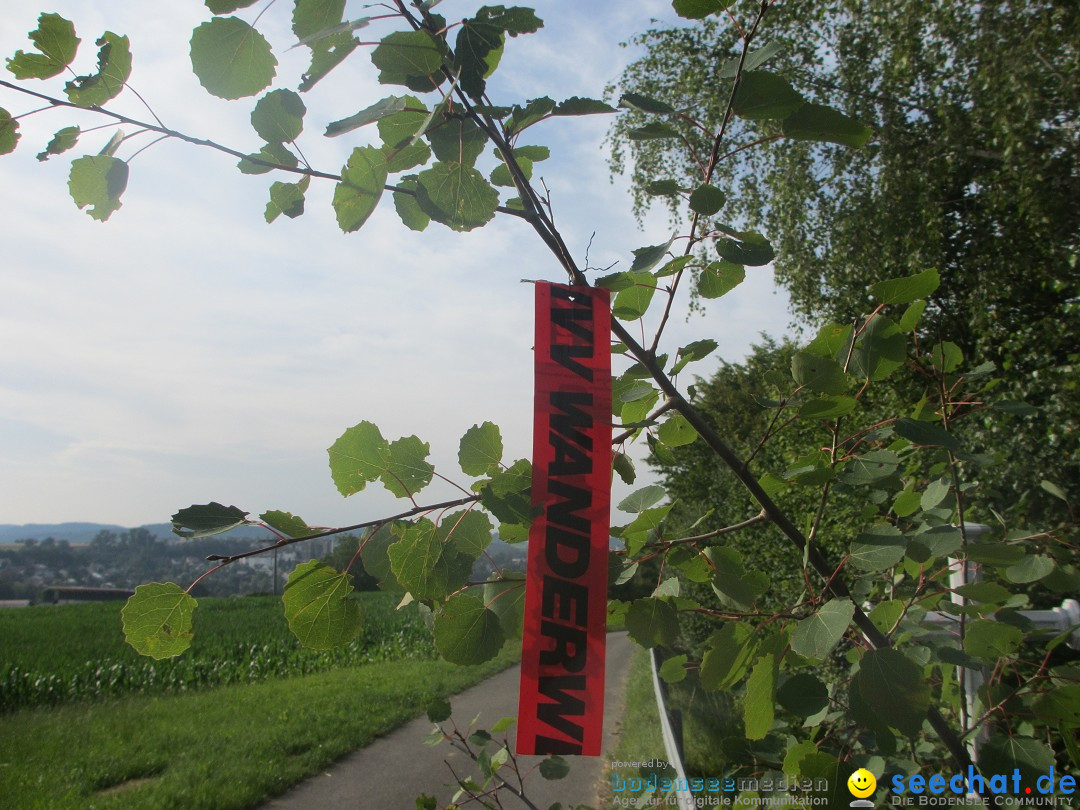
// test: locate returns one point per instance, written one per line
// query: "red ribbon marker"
(561, 699)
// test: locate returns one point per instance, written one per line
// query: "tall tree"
(974, 170)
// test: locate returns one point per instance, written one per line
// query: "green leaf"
(500, 175)
(820, 374)
(815, 636)
(1008, 753)
(880, 351)
(554, 767)
(941, 540)
(514, 20)
(55, 39)
(890, 683)
(376, 558)
(753, 60)
(439, 711)
(404, 157)
(507, 599)
(699, 9)
(925, 433)
(750, 248)
(278, 117)
(832, 340)
(814, 122)
(423, 565)
(673, 670)
(646, 258)
(481, 449)
(1030, 569)
(287, 523)
(476, 54)
(9, 135)
(935, 492)
(878, 548)
(696, 350)
(405, 467)
(633, 302)
(651, 621)
(764, 95)
(466, 632)
(468, 532)
(317, 606)
(803, 695)
(227, 6)
(362, 181)
(624, 466)
(407, 55)
(407, 208)
(828, 407)
(356, 458)
(720, 278)
(98, 181)
(652, 132)
(1054, 489)
(997, 554)
(870, 468)
(759, 703)
(907, 289)
(310, 17)
(676, 431)
(287, 199)
(992, 640)
(456, 195)
(731, 649)
(507, 495)
(324, 59)
(735, 586)
(910, 319)
(63, 140)
(642, 499)
(707, 200)
(157, 620)
(946, 356)
(533, 111)
(208, 519)
(662, 188)
(388, 106)
(276, 153)
(231, 59)
(636, 101)
(114, 68)
(886, 614)
(582, 106)
(1059, 706)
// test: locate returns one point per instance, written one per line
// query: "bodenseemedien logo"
(862, 785)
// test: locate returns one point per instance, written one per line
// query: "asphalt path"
(391, 772)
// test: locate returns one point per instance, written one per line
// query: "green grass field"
(243, 715)
(219, 749)
(58, 654)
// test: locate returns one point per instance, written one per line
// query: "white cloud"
(185, 350)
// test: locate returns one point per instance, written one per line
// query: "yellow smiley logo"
(861, 783)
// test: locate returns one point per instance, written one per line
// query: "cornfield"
(59, 654)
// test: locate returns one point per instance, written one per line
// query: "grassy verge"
(639, 738)
(232, 747)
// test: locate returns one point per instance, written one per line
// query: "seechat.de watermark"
(999, 789)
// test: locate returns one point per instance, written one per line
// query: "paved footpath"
(391, 772)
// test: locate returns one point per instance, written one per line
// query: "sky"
(186, 351)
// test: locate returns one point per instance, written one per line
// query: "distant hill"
(81, 533)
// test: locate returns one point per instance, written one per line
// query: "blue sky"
(186, 351)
